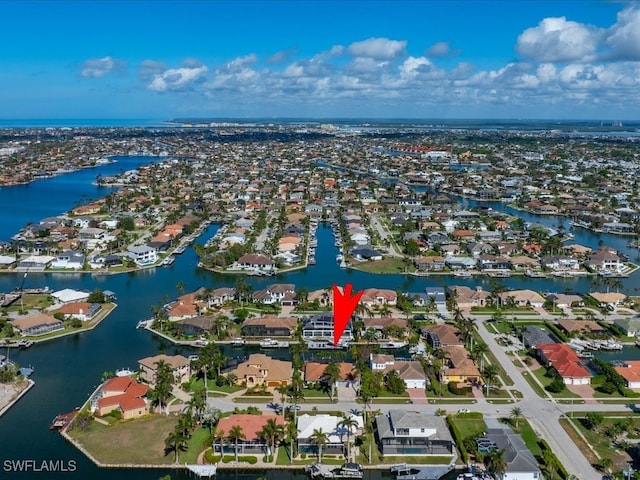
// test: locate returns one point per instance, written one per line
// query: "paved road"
(384, 235)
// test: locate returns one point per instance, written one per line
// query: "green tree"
(176, 442)
(272, 432)
(516, 415)
(163, 387)
(319, 439)
(235, 435)
(348, 424)
(495, 463)
(330, 376)
(394, 383)
(97, 296)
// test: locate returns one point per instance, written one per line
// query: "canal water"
(68, 369)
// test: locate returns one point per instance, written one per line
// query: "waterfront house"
(254, 262)
(560, 263)
(520, 462)
(402, 432)
(260, 369)
(219, 296)
(410, 371)
(251, 426)
(565, 300)
(581, 327)
(365, 252)
(35, 262)
(142, 255)
(198, 325)
(443, 335)
(629, 326)
(565, 361)
(37, 324)
(181, 367)
(307, 424)
(630, 371)
(460, 263)
(459, 366)
(269, 326)
(69, 295)
(124, 394)
(380, 323)
(188, 305)
(430, 264)
(81, 310)
(69, 260)
(320, 327)
(604, 260)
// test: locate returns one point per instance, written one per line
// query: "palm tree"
(175, 441)
(292, 435)
(331, 375)
(479, 350)
(235, 435)
(283, 390)
(490, 374)
(495, 463)
(347, 423)
(516, 414)
(272, 432)
(210, 417)
(319, 438)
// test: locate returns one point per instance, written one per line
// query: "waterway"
(68, 369)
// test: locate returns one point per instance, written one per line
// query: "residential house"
(520, 464)
(69, 295)
(181, 367)
(604, 260)
(403, 432)
(365, 252)
(565, 361)
(430, 264)
(410, 371)
(124, 394)
(69, 260)
(459, 367)
(260, 369)
(255, 262)
(560, 263)
(442, 335)
(467, 297)
(493, 262)
(521, 298)
(282, 293)
(84, 311)
(460, 263)
(320, 327)
(219, 296)
(380, 323)
(37, 324)
(630, 371)
(612, 299)
(196, 326)
(378, 296)
(629, 326)
(329, 424)
(251, 426)
(313, 372)
(565, 300)
(269, 326)
(35, 262)
(142, 255)
(188, 305)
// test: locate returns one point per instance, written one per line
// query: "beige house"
(124, 394)
(260, 369)
(467, 297)
(522, 298)
(180, 365)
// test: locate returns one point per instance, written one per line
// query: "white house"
(142, 255)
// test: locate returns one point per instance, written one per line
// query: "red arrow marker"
(343, 308)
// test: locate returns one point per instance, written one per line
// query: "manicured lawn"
(196, 446)
(539, 373)
(386, 265)
(139, 441)
(468, 426)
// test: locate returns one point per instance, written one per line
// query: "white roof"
(328, 423)
(6, 260)
(69, 295)
(39, 259)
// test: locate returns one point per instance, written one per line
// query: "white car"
(464, 410)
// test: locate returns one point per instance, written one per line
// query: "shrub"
(303, 456)
(556, 386)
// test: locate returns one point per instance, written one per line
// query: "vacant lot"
(138, 441)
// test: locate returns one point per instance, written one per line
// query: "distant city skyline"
(320, 59)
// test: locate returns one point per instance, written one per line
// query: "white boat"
(270, 343)
(393, 344)
(534, 274)
(462, 273)
(169, 260)
(237, 342)
(124, 372)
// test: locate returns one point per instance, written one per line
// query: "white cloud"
(177, 79)
(414, 66)
(440, 49)
(99, 67)
(378, 48)
(558, 40)
(623, 38)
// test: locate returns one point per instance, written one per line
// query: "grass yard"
(469, 425)
(139, 441)
(539, 373)
(386, 265)
(196, 446)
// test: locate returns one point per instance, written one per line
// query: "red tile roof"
(251, 425)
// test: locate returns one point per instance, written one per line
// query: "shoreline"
(14, 400)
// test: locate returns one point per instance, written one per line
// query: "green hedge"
(241, 458)
(457, 438)
(556, 331)
(544, 446)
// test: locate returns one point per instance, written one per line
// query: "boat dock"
(202, 470)
(420, 472)
(61, 421)
(348, 470)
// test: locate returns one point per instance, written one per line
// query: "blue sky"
(384, 59)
